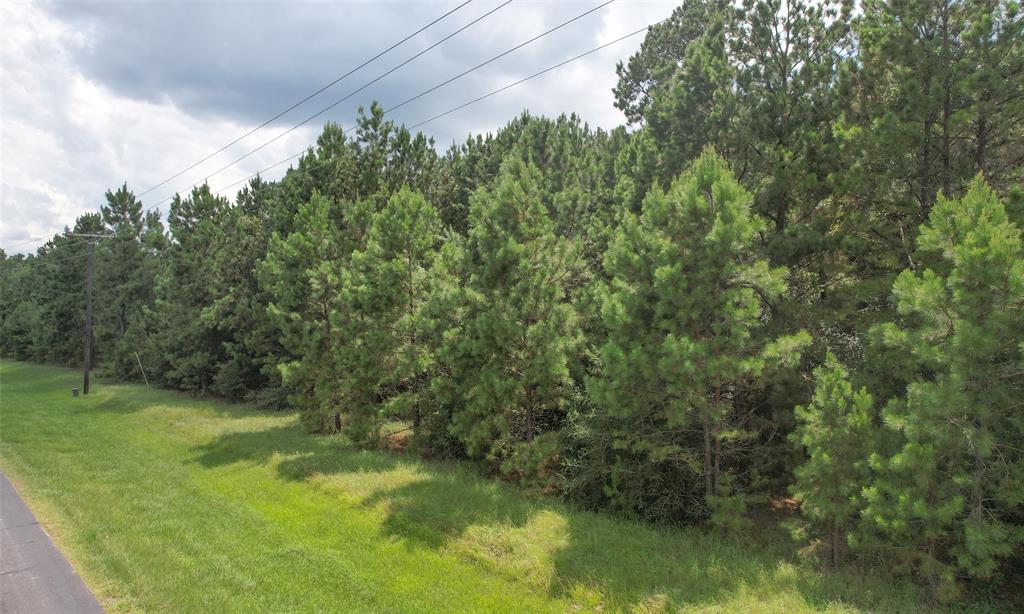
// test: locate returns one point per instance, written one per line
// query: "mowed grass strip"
(168, 503)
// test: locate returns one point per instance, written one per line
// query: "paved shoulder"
(35, 578)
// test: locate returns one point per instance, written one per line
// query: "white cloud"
(67, 139)
(66, 136)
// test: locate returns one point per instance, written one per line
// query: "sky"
(96, 94)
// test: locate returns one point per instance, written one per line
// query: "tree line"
(798, 270)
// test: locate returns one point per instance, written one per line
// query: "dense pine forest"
(794, 278)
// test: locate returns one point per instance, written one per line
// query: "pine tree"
(380, 361)
(681, 312)
(239, 307)
(994, 58)
(676, 59)
(183, 350)
(936, 84)
(124, 281)
(303, 273)
(638, 169)
(19, 310)
(389, 283)
(58, 292)
(835, 429)
(509, 359)
(947, 495)
(441, 321)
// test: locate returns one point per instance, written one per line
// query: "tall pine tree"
(303, 272)
(390, 283)
(948, 494)
(682, 312)
(509, 358)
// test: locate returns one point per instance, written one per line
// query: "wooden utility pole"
(88, 318)
(88, 306)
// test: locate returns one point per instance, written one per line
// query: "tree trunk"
(708, 486)
(835, 543)
(947, 108)
(718, 459)
(978, 488)
(982, 140)
(716, 433)
(947, 180)
(529, 421)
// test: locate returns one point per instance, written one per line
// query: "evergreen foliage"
(835, 429)
(304, 272)
(126, 272)
(682, 309)
(384, 290)
(620, 317)
(183, 350)
(947, 494)
(509, 357)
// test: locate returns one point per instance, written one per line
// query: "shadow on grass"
(305, 454)
(596, 559)
(427, 512)
(127, 398)
(441, 509)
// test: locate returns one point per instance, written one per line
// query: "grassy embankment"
(168, 503)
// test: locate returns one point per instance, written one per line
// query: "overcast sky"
(94, 94)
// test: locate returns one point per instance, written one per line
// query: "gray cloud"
(134, 91)
(248, 60)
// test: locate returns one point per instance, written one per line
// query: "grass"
(164, 502)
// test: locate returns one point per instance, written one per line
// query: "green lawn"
(168, 503)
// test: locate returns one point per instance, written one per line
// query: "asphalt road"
(35, 578)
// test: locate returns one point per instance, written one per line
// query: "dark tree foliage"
(685, 297)
(126, 271)
(252, 347)
(183, 349)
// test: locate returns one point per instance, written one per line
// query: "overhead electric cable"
(53, 260)
(282, 114)
(419, 95)
(356, 91)
(439, 115)
(306, 99)
(46, 238)
(456, 108)
(498, 57)
(26, 242)
(534, 75)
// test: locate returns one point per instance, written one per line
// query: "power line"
(350, 94)
(499, 56)
(534, 75)
(74, 240)
(26, 242)
(306, 99)
(428, 120)
(456, 108)
(291, 108)
(45, 259)
(421, 94)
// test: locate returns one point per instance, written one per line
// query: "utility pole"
(88, 307)
(88, 318)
